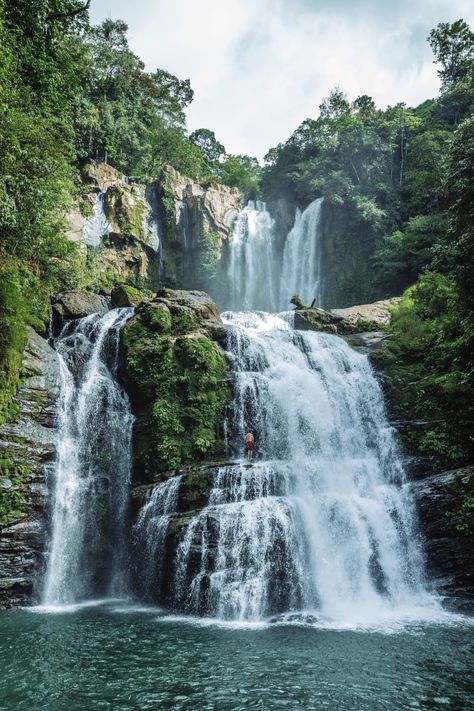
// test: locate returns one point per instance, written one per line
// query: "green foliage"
(453, 47)
(177, 377)
(242, 172)
(13, 499)
(429, 364)
(23, 301)
(209, 145)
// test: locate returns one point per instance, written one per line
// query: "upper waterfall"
(302, 272)
(90, 500)
(252, 272)
(262, 274)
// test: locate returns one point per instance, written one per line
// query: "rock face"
(125, 225)
(446, 510)
(169, 231)
(197, 221)
(28, 451)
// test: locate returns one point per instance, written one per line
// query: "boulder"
(126, 295)
(176, 376)
(74, 304)
(376, 313)
(306, 318)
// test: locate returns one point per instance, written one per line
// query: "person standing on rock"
(249, 444)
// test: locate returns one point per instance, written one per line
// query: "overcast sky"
(260, 67)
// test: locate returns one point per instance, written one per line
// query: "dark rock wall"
(28, 448)
(445, 504)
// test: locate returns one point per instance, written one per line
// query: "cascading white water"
(252, 272)
(87, 546)
(151, 528)
(321, 521)
(302, 269)
(258, 276)
(96, 226)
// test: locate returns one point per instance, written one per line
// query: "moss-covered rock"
(176, 375)
(127, 295)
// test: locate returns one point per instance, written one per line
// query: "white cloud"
(260, 67)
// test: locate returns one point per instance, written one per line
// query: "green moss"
(423, 361)
(23, 301)
(195, 485)
(127, 295)
(179, 382)
(462, 518)
(12, 500)
(85, 208)
(366, 325)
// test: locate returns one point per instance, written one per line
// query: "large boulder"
(176, 375)
(375, 314)
(27, 459)
(445, 504)
(74, 304)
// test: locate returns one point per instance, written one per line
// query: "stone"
(315, 319)
(126, 295)
(30, 446)
(126, 210)
(377, 312)
(74, 304)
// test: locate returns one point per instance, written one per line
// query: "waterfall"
(321, 521)
(96, 226)
(253, 266)
(302, 269)
(86, 555)
(150, 532)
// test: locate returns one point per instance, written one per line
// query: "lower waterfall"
(320, 523)
(86, 556)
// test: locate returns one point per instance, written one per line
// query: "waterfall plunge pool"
(121, 657)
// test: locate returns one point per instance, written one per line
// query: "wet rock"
(445, 504)
(74, 304)
(29, 448)
(315, 319)
(368, 342)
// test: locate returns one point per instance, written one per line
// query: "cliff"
(27, 451)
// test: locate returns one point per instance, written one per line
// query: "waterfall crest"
(86, 555)
(321, 522)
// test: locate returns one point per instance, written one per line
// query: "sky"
(260, 67)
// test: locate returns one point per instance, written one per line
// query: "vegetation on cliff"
(71, 93)
(176, 375)
(402, 182)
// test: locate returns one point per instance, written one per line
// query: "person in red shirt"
(249, 444)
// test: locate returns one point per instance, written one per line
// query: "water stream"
(86, 556)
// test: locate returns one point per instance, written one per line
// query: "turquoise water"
(121, 658)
